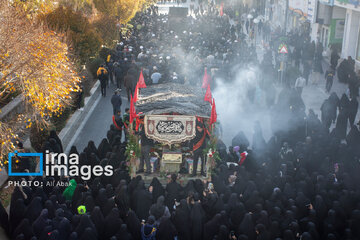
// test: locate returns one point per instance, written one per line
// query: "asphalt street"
(98, 122)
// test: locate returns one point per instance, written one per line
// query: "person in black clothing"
(329, 76)
(231, 155)
(344, 70)
(54, 136)
(198, 145)
(118, 75)
(353, 109)
(327, 115)
(118, 122)
(306, 70)
(116, 101)
(334, 58)
(79, 97)
(354, 83)
(126, 119)
(110, 68)
(103, 77)
(146, 144)
(173, 190)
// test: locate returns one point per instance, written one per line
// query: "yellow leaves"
(125, 10)
(33, 61)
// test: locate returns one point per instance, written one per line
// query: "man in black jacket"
(198, 145)
(146, 145)
(116, 101)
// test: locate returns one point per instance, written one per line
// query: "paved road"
(98, 122)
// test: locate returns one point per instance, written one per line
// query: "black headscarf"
(142, 199)
(122, 201)
(197, 220)
(134, 225)
(212, 227)
(104, 148)
(123, 233)
(95, 187)
(74, 150)
(158, 189)
(173, 190)
(288, 235)
(59, 215)
(110, 204)
(34, 209)
(223, 233)
(51, 209)
(101, 198)
(85, 222)
(98, 219)
(89, 203)
(109, 191)
(158, 209)
(247, 226)
(41, 222)
(64, 229)
(89, 234)
(237, 214)
(263, 234)
(92, 148)
(166, 230)
(23, 228)
(73, 236)
(112, 223)
(263, 219)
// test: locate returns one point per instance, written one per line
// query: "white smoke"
(235, 112)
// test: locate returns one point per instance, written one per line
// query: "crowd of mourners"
(301, 184)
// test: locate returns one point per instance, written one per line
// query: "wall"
(351, 34)
(336, 31)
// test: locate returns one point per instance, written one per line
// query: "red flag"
(141, 81)
(221, 9)
(213, 117)
(136, 93)
(208, 96)
(206, 80)
(132, 111)
(243, 156)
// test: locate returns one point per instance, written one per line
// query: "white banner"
(170, 129)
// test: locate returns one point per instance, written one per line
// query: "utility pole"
(284, 59)
(286, 15)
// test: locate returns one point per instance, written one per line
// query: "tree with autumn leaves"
(92, 23)
(37, 61)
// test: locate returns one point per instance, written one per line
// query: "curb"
(11, 106)
(73, 123)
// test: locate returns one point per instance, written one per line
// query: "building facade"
(351, 36)
(334, 23)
